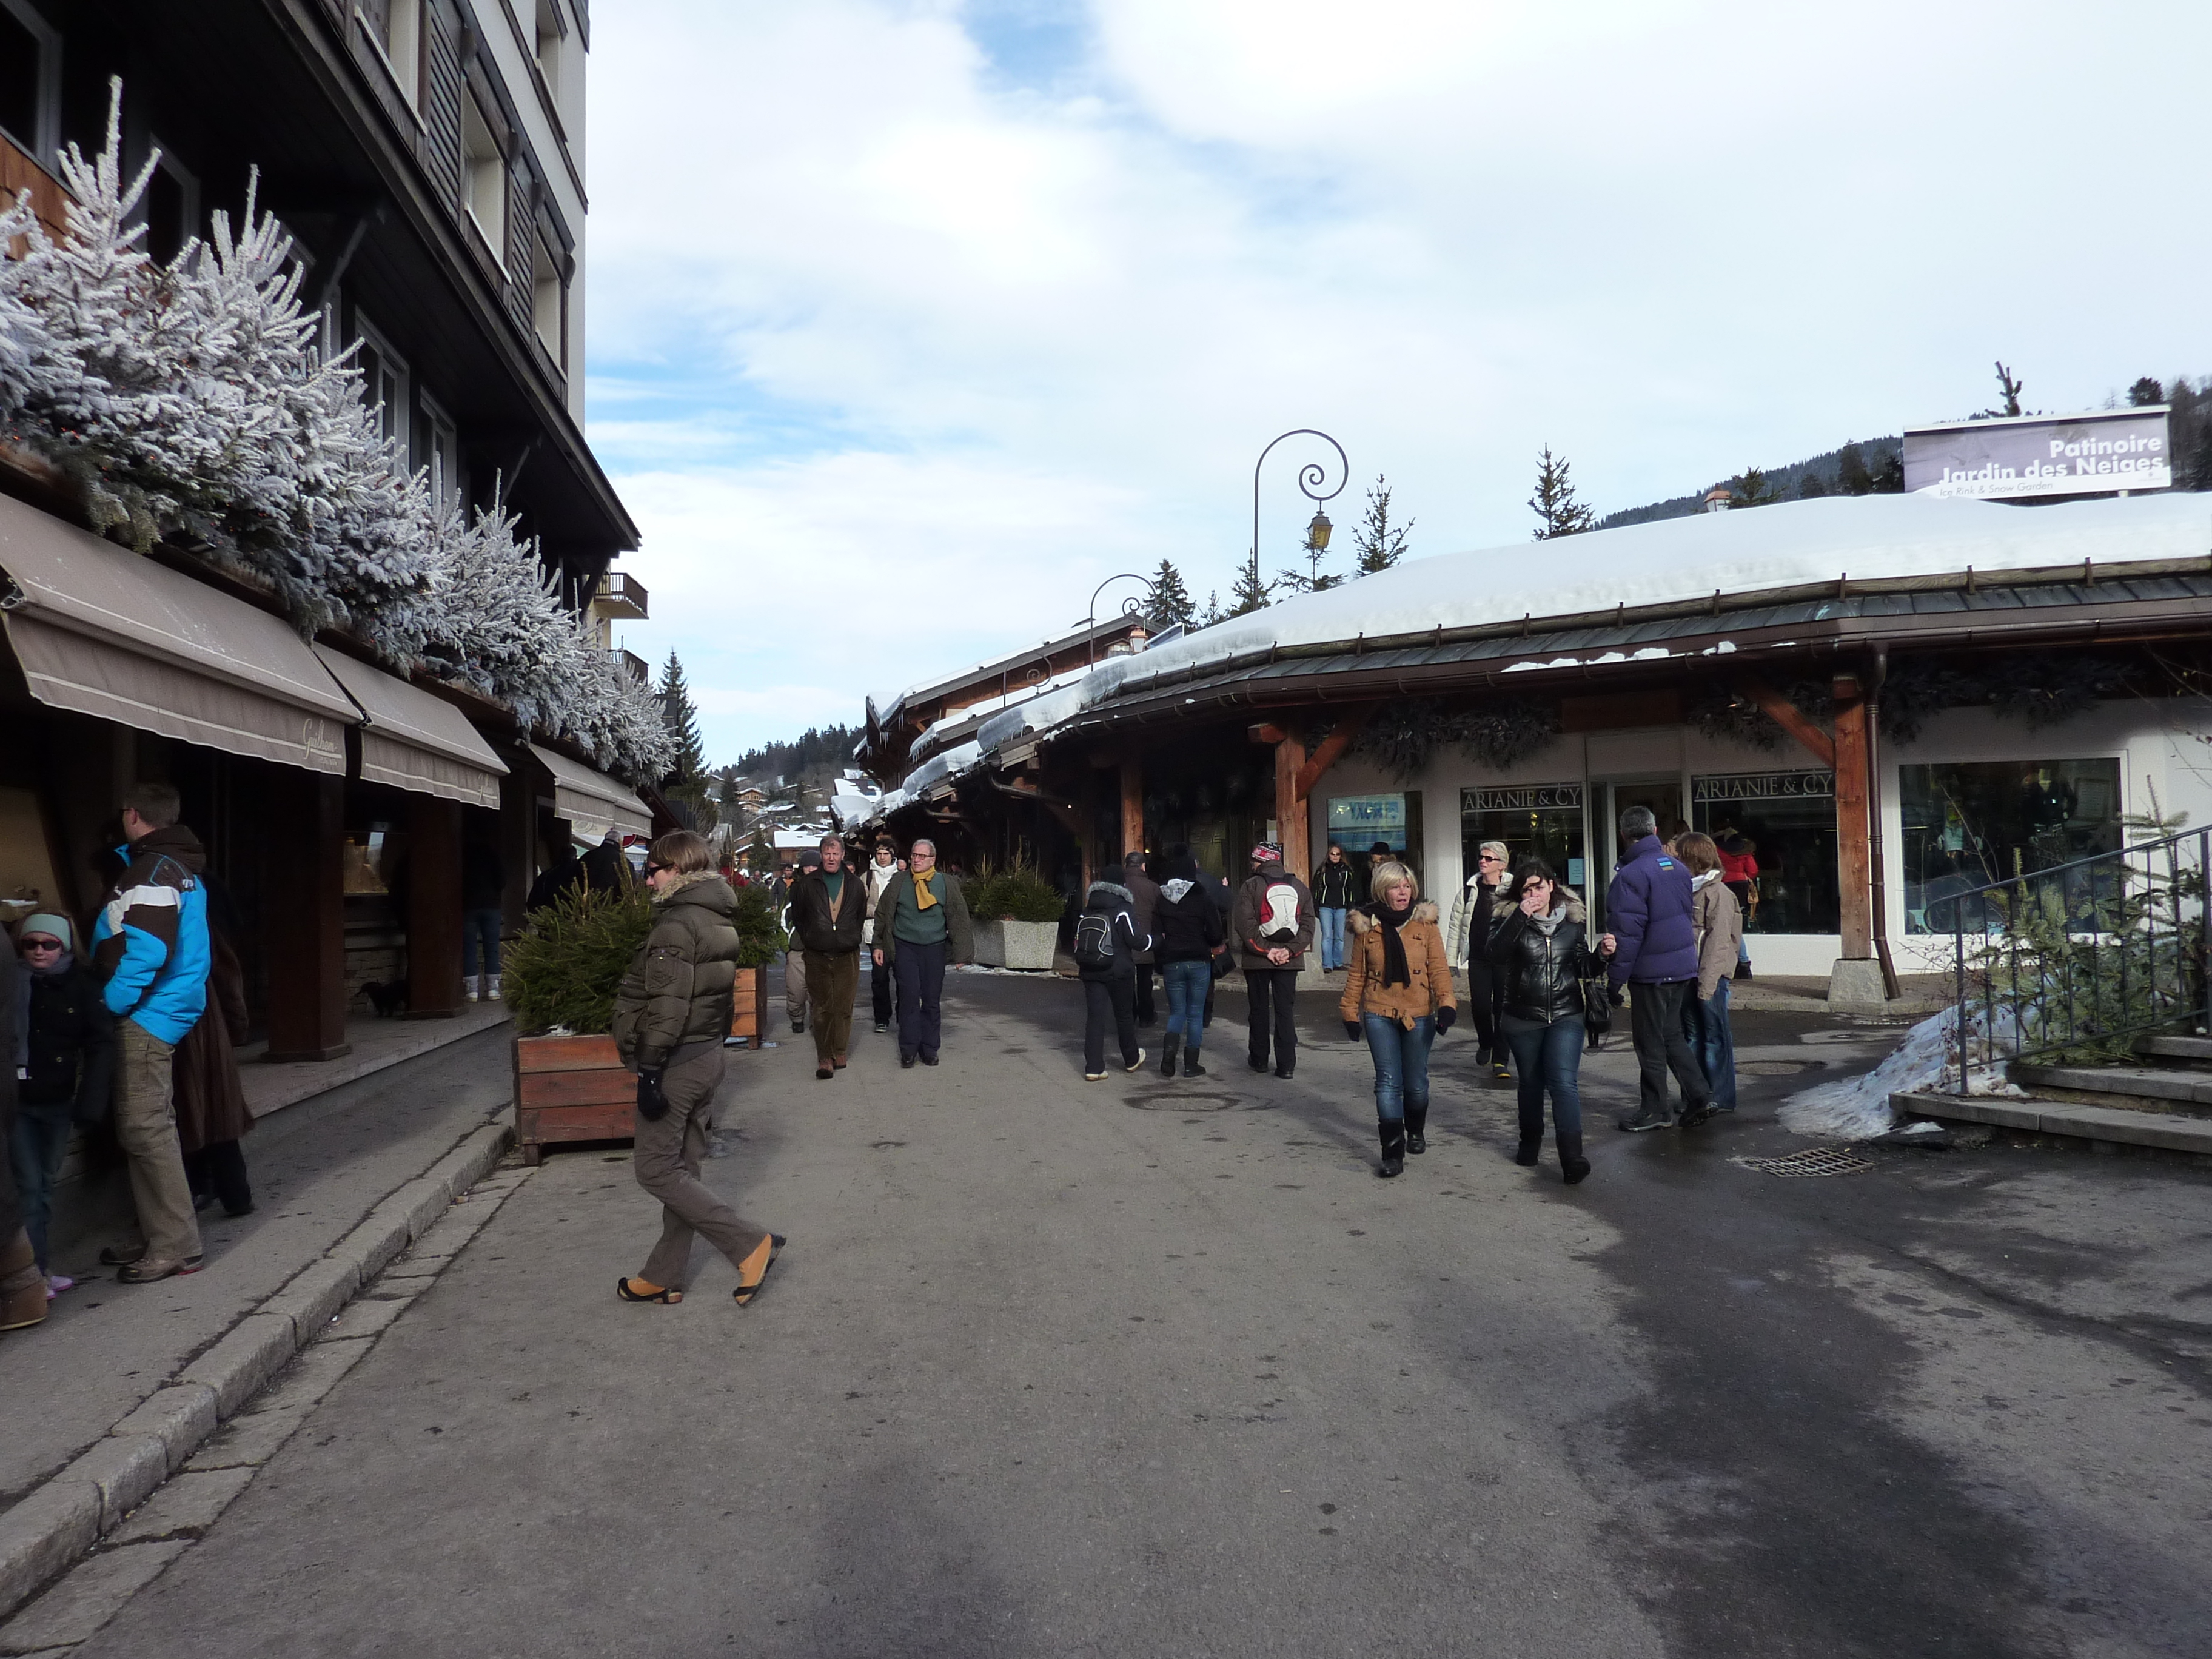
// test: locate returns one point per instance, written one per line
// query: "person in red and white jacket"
(1272, 924)
(1739, 870)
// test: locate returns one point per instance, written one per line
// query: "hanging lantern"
(1317, 531)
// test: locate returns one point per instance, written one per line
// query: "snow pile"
(190, 404)
(1857, 1108)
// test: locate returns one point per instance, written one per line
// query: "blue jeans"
(39, 1143)
(1549, 1057)
(480, 925)
(1332, 938)
(1187, 984)
(1401, 1064)
(1706, 1024)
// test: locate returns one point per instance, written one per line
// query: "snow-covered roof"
(939, 769)
(1676, 561)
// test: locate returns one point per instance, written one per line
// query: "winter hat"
(1381, 846)
(1267, 852)
(45, 921)
(810, 860)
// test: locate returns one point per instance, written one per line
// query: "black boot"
(1190, 1065)
(1528, 1152)
(1417, 1120)
(1169, 1045)
(1573, 1166)
(1393, 1132)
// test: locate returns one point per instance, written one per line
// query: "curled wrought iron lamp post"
(1311, 477)
(1132, 607)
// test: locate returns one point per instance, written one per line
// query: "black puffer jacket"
(72, 1042)
(1118, 906)
(1540, 975)
(1187, 925)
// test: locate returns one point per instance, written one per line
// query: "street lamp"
(1311, 477)
(1132, 607)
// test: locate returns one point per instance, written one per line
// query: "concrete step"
(2107, 1125)
(2190, 1050)
(2142, 1087)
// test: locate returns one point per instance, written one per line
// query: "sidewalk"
(326, 1159)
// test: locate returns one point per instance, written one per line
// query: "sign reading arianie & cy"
(2041, 455)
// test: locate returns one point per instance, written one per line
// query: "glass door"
(1662, 795)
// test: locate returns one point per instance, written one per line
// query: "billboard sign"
(2031, 455)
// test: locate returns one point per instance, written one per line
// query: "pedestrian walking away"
(881, 869)
(672, 1012)
(1719, 926)
(1740, 875)
(1107, 941)
(921, 925)
(1541, 952)
(1189, 933)
(1145, 893)
(1337, 886)
(483, 894)
(1273, 924)
(828, 908)
(149, 947)
(1654, 946)
(1472, 918)
(1398, 998)
(65, 1068)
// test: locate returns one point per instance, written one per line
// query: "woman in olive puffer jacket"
(1540, 950)
(671, 1015)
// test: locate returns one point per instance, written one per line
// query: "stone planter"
(1027, 946)
(570, 1088)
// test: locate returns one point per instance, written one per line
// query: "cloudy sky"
(909, 320)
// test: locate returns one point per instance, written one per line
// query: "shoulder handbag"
(1223, 963)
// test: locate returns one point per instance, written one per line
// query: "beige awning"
(411, 740)
(99, 630)
(592, 802)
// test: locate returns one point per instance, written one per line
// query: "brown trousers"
(146, 1129)
(668, 1152)
(833, 981)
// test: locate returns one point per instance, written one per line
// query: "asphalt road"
(1139, 1368)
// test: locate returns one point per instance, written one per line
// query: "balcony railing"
(621, 594)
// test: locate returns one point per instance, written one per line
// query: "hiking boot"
(1647, 1119)
(1694, 1115)
(120, 1256)
(148, 1268)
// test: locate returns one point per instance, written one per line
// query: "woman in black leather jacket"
(1541, 951)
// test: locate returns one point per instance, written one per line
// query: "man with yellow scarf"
(922, 923)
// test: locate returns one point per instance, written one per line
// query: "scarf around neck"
(924, 899)
(1394, 970)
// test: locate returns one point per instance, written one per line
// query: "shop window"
(1787, 822)
(1541, 821)
(1987, 821)
(1356, 823)
(362, 861)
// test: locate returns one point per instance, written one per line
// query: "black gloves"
(1445, 1015)
(1352, 1031)
(651, 1105)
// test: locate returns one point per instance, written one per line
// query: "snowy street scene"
(1080, 827)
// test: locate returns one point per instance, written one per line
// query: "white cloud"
(873, 321)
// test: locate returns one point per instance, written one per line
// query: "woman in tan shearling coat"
(1398, 996)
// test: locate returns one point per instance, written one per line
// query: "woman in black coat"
(1540, 951)
(1188, 931)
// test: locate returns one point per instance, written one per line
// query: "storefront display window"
(1787, 822)
(1356, 823)
(363, 861)
(1987, 821)
(1541, 821)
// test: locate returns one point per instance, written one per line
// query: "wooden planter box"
(570, 1088)
(749, 1006)
(1027, 946)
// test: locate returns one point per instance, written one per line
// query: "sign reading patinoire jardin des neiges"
(2015, 457)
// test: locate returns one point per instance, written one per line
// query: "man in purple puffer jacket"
(1656, 956)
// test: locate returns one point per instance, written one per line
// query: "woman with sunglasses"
(64, 1058)
(671, 1015)
(1472, 913)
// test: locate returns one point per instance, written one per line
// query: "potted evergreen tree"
(560, 979)
(760, 935)
(1017, 912)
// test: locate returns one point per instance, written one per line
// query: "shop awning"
(411, 740)
(102, 631)
(592, 802)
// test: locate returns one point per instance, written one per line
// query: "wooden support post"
(304, 916)
(1291, 804)
(1854, 857)
(1133, 806)
(1784, 713)
(1330, 749)
(1086, 827)
(434, 906)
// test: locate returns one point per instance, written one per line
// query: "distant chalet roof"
(1763, 577)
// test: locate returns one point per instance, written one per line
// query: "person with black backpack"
(1107, 940)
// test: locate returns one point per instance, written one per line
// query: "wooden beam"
(1132, 806)
(1290, 805)
(1854, 851)
(1331, 748)
(1784, 713)
(1264, 733)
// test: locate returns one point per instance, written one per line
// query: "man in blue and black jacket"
(149, 947)
(1655, 955)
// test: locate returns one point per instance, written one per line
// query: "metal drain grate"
(1812, 1161)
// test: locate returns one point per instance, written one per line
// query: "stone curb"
(41, 1536)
